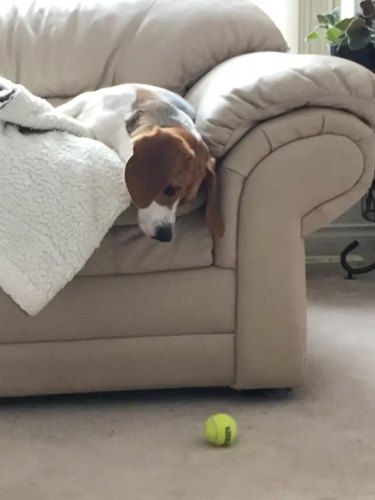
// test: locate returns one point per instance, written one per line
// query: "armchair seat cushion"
(126, 250)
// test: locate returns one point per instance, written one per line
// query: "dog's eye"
(170, 191)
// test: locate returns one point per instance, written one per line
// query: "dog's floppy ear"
(157, 157)
(214, 216)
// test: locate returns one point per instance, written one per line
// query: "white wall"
(296, 18)
(349, 7)
(284, 13)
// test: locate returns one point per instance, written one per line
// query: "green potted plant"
(352, 38)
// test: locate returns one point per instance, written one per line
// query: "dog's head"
(166, 170)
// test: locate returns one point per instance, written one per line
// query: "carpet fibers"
(318, 444)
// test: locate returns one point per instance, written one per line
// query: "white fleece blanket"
(60, 192)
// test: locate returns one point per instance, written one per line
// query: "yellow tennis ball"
(220, 429)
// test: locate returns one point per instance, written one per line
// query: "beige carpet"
(318, 444)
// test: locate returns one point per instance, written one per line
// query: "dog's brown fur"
(171, 163)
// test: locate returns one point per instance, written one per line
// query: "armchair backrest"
(60, 48)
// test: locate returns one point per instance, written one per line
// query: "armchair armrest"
(297, 133)
(285, 178)
(238, 94)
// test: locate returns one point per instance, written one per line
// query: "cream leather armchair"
(294, 136)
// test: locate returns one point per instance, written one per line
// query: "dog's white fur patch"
(155, 216)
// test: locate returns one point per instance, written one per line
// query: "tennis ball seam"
(227, 435)
(221, 435)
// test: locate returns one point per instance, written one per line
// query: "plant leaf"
(368, 8)
(323, 23)
(314, 35)
(344, 23)
(330, 18)
(356, 24)
(334, 35)
(358, 39)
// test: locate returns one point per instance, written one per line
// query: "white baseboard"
(333, 239)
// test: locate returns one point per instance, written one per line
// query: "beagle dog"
(170, 159)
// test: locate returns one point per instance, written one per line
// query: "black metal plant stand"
(368, 213)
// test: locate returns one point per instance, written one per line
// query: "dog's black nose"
(164, 233)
